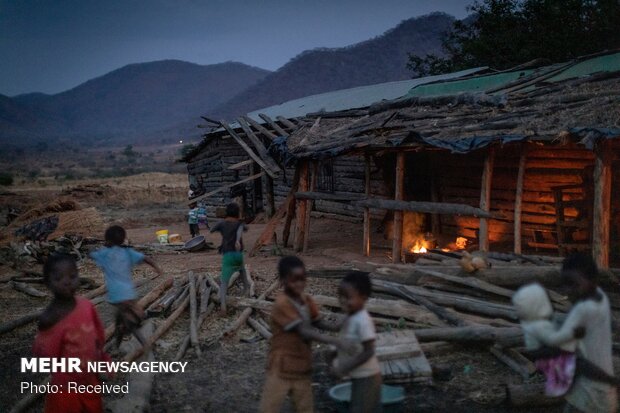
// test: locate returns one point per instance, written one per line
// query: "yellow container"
(162, 236)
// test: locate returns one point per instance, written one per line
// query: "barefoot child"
(293, 316)
(361, 364)
(535, 311)
(231, 230)
(70, 327)
(117, 263)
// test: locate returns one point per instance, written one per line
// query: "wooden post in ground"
(309, 204)
(519, 200)
(397, 245)
(366, 242)
(271, 203)
(485, 199)
(290, 207)
(302, 206)
(602, 204)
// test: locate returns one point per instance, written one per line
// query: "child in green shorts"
(231, 229)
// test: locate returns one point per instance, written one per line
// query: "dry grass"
(86, 222)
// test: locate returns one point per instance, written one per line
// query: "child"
(192, 219)
(594, 387)
(202, 215)
(117, 263)
(293, 316)
(535, 312)
(361, 364)
(231, 229)
(70, 327)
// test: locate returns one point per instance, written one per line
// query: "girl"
(70, 327)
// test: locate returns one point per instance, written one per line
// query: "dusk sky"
(51, 46)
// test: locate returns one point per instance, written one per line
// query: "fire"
(419, 247)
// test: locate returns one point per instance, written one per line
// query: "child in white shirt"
(359, 363)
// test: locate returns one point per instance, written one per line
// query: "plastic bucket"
(392, 397)
(162, 236)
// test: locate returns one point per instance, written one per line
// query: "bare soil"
(229, 375)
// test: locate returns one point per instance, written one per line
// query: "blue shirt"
(193, 216)
(117, 264)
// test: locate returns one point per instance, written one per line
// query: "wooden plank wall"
(546, 167)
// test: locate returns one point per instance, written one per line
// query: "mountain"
(382, 59)
(139, 98)
(20, 121)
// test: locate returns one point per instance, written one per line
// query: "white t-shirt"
(359, 328)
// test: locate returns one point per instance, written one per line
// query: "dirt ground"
(228, 377)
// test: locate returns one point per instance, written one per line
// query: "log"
(193, 312)
(401, 292)
(186, 340)
(485, 199)
(21, 321)
(504, 336)
(26, 402)
(424, 207)
(399, 185)
(273, 124)
(260, 128)
(396, 352)
(309, 205)
(161, 330)
(519, 200)
(260, 329)
(225, 187)
(366, 239)
(245, 314)
(205, 292)
(328, 196)
(530, 395)
(258, 145)
(290, 207)
(602, 204)
(524, 370)
(26, 289)
(301, 208)
(249, 151)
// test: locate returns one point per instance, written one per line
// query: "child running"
(70, 327)
(535, 311)
(117, 263)
(361, 364)
(231, 230)
(293, 316)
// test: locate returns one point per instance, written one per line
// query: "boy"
(117, 264)
(231, 229)
(594, 387)
(362, 365)
(192, 220)
(70, 327)
(293, 316)
(202, 215)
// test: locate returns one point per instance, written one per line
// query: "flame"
(461, 243)
(419, 247)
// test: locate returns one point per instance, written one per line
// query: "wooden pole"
(485, 199)
(193, 312)
(602, 204)
(271, 203)
(290, 207)
(309, 204)
(302, 206)
(397, 245)
(366, 242)
(519, 200)
(435, 218)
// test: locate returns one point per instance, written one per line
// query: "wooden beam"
(271, 203)
(286, 122)
(328, 196)
(290, 207)
(266, 132)
(485, 199)
(397, 244)
(519, 200)
(309, 204)
(435, 218)
(366, 241)
(273, 124)
(602, 204)
(302, 206)
(241, 164)
(258, 145)
(444, 208)
(225, 187)
(249, 150)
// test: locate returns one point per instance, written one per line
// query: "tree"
(186, 149)
(505, 33)
(129, 152)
